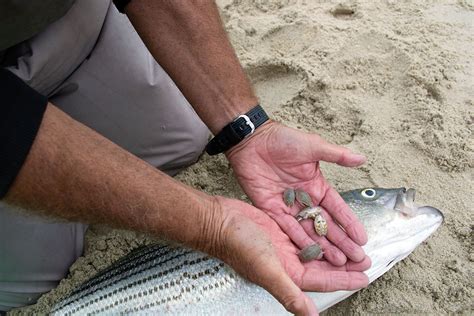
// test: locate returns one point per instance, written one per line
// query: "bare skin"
(280, 158)
(74, 173)
(188, 40)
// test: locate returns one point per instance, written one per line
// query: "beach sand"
(390, 79)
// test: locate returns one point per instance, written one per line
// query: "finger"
(276, 281)
(303, 305)
(322, 150)
(342, 213)
(341, 240)
(328, 281)
(336, 235)
(254, 256)
(331, 253)
(294, 230)
(363, 265)
(311, 306)
(349, 266)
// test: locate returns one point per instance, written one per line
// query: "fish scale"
(144, 261)
(194, 277)
(168, 279)
(136, 278)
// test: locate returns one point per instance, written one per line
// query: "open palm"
(278, 157)
(257, 248)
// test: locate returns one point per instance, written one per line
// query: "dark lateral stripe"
(205, 287)
(121, 270)
(136, 255)
(186, 263)
(113, 270)
(148, 260)
(151, 290)
(88, 291)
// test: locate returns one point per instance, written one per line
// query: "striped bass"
(170, 279)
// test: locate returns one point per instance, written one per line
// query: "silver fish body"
(174, 280)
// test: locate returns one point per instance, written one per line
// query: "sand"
(393, 80)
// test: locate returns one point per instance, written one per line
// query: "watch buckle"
(247, 122)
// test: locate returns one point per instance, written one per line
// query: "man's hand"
(253, 244)
(278, 157)
(74, 173)
(188, 41)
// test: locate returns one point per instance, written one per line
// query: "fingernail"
(369, 263)
(362, 236)
(360, 157)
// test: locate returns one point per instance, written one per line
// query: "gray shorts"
(93, 65)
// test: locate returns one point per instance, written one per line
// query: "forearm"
(74, 173)
(188, 40)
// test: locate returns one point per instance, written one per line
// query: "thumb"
(322, 150)
(267, 271)
(288, 293)
(246, 246)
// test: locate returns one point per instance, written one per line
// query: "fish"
(170, 279)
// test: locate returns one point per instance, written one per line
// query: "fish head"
(381, 208)
(395, 224)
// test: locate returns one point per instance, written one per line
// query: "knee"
(188, 149)
(196, 144)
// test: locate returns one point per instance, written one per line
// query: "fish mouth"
(405, 201)
(402, 233)
(405, 204)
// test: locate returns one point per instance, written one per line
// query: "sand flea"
(310, 253)
(309, 212)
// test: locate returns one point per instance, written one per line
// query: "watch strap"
(234, 132)
(121, 4)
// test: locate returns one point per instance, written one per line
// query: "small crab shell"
(308, 212)
(312, 252)
(289, 197)
(320, 225)
(303, 198)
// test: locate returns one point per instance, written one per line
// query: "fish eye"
(368, 193)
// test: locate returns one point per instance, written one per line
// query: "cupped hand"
(277, 157)
(255, 246)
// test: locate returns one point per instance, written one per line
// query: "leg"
(122, 93)
(35, 254)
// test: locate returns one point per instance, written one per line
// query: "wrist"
(262, 132)
(224, 226)
(211, 222)
(243, 126)
(181, 214)
(231, 108)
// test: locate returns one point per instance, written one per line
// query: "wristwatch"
(234, 132)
